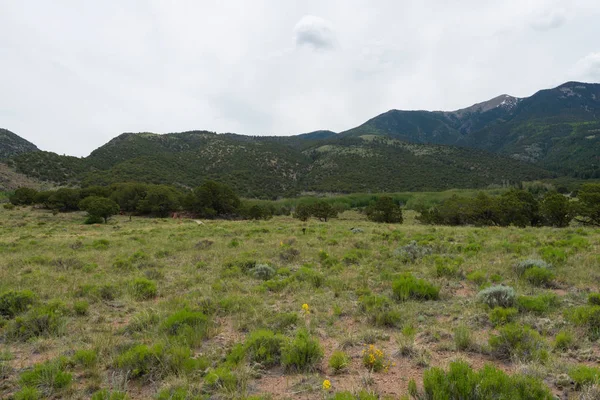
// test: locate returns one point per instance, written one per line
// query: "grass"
(149, 309)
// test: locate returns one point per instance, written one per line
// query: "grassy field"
(177, 309)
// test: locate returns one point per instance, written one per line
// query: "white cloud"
(315, 32)
(588, 68)
(549, 19)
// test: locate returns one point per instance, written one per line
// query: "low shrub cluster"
(497, 296)
(518, 342)
(408, 287)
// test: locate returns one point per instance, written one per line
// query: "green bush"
(497, 296)
(384, 209)
(281, 322)
(183, 320)
(502, 316)
(564, 340)
(42, 321)
(262, 271)
(315, 278)
(80, 307)
(477, 277)
(524, 265)
(583, 375)
(158, 361)
(339, 361)
(537, 304)
(85, 358)
(301, 354)
(143, 289)
(47, 377)
(106, 394)
(264, 347)
(27, 393)
(408, 287)
(15, 302)
(461, 382)
(380, 311)
(463, 339)
(516, 341)
(588, 316)
(538, 276)
(594, 299)
(448, 267)
(221, 378)
(362, 395)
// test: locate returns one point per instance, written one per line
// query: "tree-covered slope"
(12, 145)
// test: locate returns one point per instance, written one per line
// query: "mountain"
(12, 145)
(558, 129)
(268, 167)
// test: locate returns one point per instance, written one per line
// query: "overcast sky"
(74, 74)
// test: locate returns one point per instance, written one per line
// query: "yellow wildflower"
(305, 307)
(326, 384)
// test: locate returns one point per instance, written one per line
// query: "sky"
(74, 74)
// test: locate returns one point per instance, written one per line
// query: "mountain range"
(555, 132)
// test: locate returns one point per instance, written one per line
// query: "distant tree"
(518, 207)
(323, 211)
(23, 196)
(100, 191)
(588, 206)
(99, 207)
(212, 199)
(160, 200)
(128, 195)
(303, 212)
(384, 210)
(65, 200)
(556, 210)
(43, 198)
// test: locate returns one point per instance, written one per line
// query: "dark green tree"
(518, 207)
(99, 207)
(384, 210)
(303, 212)
(23, 196)
(65, 200)
(556, 210)
(213, 199)
(323, 211)
(588, 206)
(160, 200)
(128, 195)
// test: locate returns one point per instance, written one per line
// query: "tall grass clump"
(264, 347)
(42, 321)
(48, 378)
(518, 342)
(407, 287)
(14, 302)
(303, 353)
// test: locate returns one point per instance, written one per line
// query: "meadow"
(346, 309)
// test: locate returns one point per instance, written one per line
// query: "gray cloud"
(315, 32)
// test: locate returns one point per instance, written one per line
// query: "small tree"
(99, 207)
(23, 196)
(384, 210)
(589, 204)
(323, 211)
(556, 210)
(65, 200)
(303, 212)
(160, 200)
(212, 199)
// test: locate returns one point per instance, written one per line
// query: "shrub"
(524, 265)
(375, 359)
(99, 208)
(384, 209)
(23, 196)
(564, 340)
(538, 276)
(262, 271)
(106, 394)
(537, 304)
(158, 361)
(182, 320)
(264, 347)
(463, 339)
(27, 393)
(339, 361)
(502, 316)
(412, 252)
(408, 287)
(301, 354)
(379, 310)
(85, 358)
(315, 278)
(15, 302)
(516, 341)
(46, 320)
(80, 307)
(447, 267)
(497, 296)
(583, 375)
(588, 316)
(221, 378)
(143, 289)
(47, 377)
(282, 321)
(477, 277)
(594, 299)
(461, 382)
